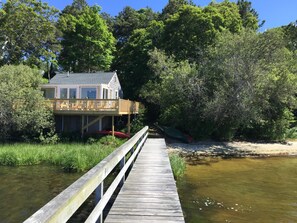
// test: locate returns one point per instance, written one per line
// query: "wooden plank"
(149, 193)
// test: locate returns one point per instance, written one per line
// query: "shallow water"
(240, 190)
(23, 190)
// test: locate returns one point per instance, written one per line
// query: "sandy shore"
(235, 149)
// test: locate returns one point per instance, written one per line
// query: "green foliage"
(138, 122)
(178, 165)
(87, 43)
(291, 133)
(111, 141)
(28, 32)
(246, 86)
(184, 41)
(71, 157)
(24, 114)
(249, 16)
(129, 20)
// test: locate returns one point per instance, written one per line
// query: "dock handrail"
(64, 205)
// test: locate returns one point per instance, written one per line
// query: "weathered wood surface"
(149, 193)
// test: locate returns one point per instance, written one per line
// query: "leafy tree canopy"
(129, 20)
(27, 32)
(245, 86)
(23, 112)
(87, 43)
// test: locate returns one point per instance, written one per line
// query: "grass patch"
(178, 165)
(71, 157)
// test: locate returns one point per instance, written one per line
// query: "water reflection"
(240, 190)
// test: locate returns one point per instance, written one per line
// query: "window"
(72, 93)
(116, 95)
(105, 93)
(88, 93)
(63, 93)
(49, 92)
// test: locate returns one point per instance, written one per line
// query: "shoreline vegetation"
(72, 157)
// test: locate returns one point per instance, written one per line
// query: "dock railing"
(64, 205)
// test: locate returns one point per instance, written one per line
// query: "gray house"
(87, 102)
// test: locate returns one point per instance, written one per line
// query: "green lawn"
(72, 157)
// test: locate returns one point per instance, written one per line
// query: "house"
(87, 102)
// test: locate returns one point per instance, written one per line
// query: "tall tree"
(129, 20)
(131, 59)
(28, 32)
(249, 16)
(172, 7)
(188, 41)
(291, 35)
(87, 43)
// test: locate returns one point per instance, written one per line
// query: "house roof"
(82, 78)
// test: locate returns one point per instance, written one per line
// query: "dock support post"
(98, 196)
(112, 123)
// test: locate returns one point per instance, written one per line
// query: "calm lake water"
(23, 190)
(240, 190)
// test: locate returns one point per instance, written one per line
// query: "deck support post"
(112, 123)
(82, 125)
(129, 123)
(98, 195)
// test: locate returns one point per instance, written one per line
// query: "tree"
(129, 20)
(249, 16)
(172, 7)
(253, 85)
(224, 16)
(23, 112)
(188, 41)
(87, 43)
(75, 8)
(245, 86)
(291, 35)
(28, 32)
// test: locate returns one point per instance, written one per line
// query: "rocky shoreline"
(200, 150)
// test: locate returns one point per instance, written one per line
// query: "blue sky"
(275, 12)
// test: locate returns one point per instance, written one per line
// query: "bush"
(111, 141)
(24, 114)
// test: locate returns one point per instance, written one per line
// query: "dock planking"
(149, 194)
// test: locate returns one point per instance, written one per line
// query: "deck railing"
(96, 105)
(63, 206)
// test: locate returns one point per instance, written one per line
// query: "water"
(23, 190)
(240, 190)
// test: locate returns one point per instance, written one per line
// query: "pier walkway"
(149, 193)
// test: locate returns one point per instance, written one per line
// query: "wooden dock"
(149, 194)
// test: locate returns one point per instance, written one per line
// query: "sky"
(275, 12)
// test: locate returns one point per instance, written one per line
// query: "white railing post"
(98, 195)
(122, 164)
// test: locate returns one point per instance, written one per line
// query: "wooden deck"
(149, 194)
(94, 106)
